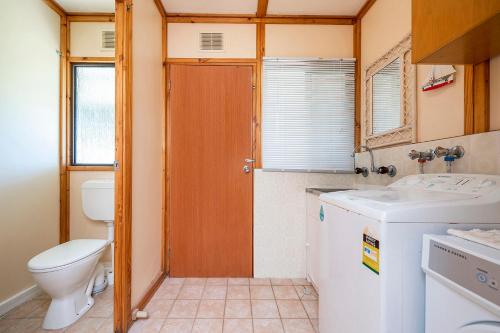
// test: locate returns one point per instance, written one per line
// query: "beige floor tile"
(291, 309)
(267, 326)
(261, 292)
(86, 325)
(191, 292)
(238, 292)
(281, 282)
(260, 282)
(238, 326)
(265, 309)
(285, 292)
(150, 325)
(315, 325)
(306, 292)
(173, 281)
(210, 309)
(238, 309)
(159, 308)
(25, 325)
(311, 308)
(297, 326)
(25, 309)
(195, 281)
(184, 309)
(301, 282)
(238, 281)
(207, 326)
(177, 326)
(102, 308)
(214, 292)
(216, 281)
(168, 291)
(40, 311)
(6, 323)
(106, 327)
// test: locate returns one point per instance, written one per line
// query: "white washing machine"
(462, 291)
(371, 278)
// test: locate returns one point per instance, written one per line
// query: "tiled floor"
(28, 317)
(231, 305)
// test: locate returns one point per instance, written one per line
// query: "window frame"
(72, 165)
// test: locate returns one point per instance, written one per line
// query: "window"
(308, 114)
(93, 117)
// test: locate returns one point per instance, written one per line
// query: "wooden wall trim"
(262, 8)
(366, 7)
(468, 99)
(123, 173)
(55, 7)
(151, 290)
(476, 98)
(161, 8)
(323, 20)
(357, 83)
(83, 17)
(92, 59)
(64, 179)
(89, 168)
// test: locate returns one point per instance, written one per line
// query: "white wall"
(147, 110)
(29, 125)
(184, 41)
(85, 39)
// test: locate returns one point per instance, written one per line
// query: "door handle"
(246, 169)
(249, 160)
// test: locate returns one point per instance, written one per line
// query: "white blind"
(386, 91)
(308, 114)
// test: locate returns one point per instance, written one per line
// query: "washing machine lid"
(66, 253)
(455, 198)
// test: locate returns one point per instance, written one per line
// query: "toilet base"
(66, 311)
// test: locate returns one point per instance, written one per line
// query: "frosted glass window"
(308, 114)
(93, 114)
(387, 98)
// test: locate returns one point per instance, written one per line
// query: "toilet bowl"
(66, 273)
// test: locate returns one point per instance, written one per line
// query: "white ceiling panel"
(314, 7)
(87, 6)
(211, 6)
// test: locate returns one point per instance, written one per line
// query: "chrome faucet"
(390, 170)
(421, 157)
(357, 170)
(372, 163)
(449, 154)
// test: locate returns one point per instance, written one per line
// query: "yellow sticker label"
(371, 253)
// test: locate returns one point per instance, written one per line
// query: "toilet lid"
(66, 253)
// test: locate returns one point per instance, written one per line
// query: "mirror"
(386, 95)
(390, 98)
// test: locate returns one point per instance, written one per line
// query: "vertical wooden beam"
(64, 180)
(477, 98)
(123, 172)
(262, 8)
(165, 181)
(482, 97)
(357, 83)
(261, 42)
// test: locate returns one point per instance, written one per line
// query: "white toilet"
(67, 271)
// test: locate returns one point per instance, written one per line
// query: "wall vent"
(212, 41)
(108, 40)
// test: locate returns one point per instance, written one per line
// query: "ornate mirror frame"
(406, 133)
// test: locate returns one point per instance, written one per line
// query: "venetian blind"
(308, 114)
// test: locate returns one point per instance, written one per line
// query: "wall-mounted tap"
(450, 155)
(421, 157)
(363, 170)
(389, 170)
(372, 163)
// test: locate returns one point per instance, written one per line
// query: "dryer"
(371, 279)
(462, 286)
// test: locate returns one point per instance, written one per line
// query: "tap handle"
(440, 151)
(413, 154)
(383, 170)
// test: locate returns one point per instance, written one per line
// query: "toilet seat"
(65, 254)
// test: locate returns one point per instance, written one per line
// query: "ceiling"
(87, 6)
(243, 7)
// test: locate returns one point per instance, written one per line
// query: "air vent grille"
(211, 41)
(108, 40)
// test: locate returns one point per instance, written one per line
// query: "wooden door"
(211, 196)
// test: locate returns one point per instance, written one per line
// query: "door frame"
(168, 144)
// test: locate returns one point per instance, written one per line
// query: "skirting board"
(19, 298)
